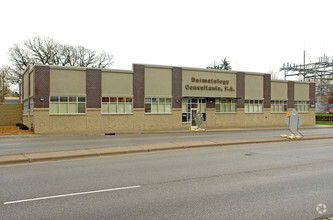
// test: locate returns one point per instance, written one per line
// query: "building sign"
(213, 84)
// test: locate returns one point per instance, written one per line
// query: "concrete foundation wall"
(10, 114)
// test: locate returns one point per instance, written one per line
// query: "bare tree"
(47, 51)
(274, 75)
(5, 76)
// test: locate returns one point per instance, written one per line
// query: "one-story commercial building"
(87, 100)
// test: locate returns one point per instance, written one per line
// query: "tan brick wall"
(10, 114)
(95, 122)
(27, 120)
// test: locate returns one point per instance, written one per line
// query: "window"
(253, 106)
(117, 105)
(158, 105)
(302, 106)
(67, 105)
(279, 106)
(188, 104)
(225, 105)
(31, 106)
(25, 107)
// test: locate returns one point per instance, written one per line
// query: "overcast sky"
(256, 36)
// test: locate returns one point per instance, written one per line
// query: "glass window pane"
(81, 99)
(105, 99)
(168, 108)
(184, 107)
(161, 108)
(63, 99)
(184, 117)
(246, 106)
(217, 108)
(154, 100)
(168, 100)
(72, 108)
(228, 108)
(147, 107)
(113, 108)
(72, 99)
(54, 98)
(121, 99)
(129, 108)
(105, 107)
(121, 108)
(161, 100)
(233, 107)
(154, 108)
(204, 116)
(223, 108)
(260, 109)
(184, 101)
(81, 108)
(147, 100)
(54, 108)
(129, 100)
(203, 107)
(63, 107)
(113, 99)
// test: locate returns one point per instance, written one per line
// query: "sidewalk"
(120, 150)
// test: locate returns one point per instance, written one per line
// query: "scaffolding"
(320, 72)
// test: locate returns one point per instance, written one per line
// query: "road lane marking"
(70, 194)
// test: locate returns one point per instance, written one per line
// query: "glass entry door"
(194, 112)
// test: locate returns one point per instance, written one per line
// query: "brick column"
(267, 90)
(138, 86)
(312, 95)
(176, 87)
(93, 88)
(240, 86)
(291, 94)
(42, 86)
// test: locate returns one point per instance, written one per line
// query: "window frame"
(26, 107)
(117, 103)
(158, 103)
(278, 103)
(77, 102)
(31, 106)
(228, 102)
(252, 103)
(302, 103)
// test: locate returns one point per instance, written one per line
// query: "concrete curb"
(161, 132)
(121, 150)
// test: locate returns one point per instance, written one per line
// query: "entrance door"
(194, 112)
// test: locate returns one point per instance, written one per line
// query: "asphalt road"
(259, 181)
(32, 144)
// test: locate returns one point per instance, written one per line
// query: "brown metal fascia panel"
(176, 87)
(312, 95)
(93, 88)
(267, 91)
(42, 86)
(138, 86)
(240, 86)
(291, 94)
